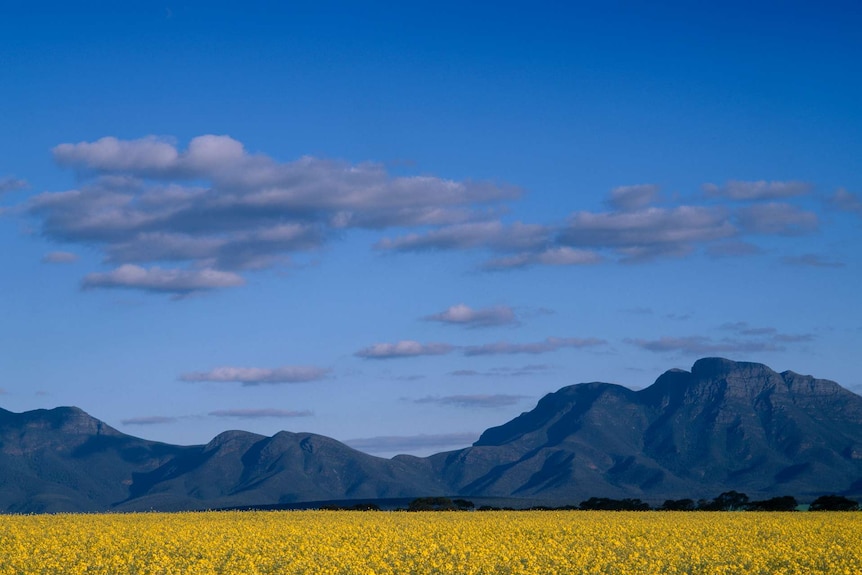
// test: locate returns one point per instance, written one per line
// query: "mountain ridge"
(723, 425)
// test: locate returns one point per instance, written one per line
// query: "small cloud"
(406, 443)
(547, 345)
(555, 256)
(811, 260)
(473, 401)
(248, 376)
(699, 345)
(742, 328)
(758, 190)
(648, 233)
(10, 184)
(404, 348)
(59, 258)
(630, 198)
(260, 413)
(409, 377)
(465, 373)
(150, 420)
(468, 317)
(777, 219)
(846, 201)
(678, 316)
(3, 391)
(769, 333)
(493, 235)
(156, 279)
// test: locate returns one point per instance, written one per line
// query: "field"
(364, 543)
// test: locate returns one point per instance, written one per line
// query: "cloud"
(484, 317)
(405, 443)
(777, 219)
(147, 155)
(248, 376)
(631, 198)
(696, 345)
(699, 345)
(150, 420)
(547, 345)
(10, 184)
(767, 333)
(846, 201)
(465, 373)
(493, 235)
(404, 348)
(473, 401)
(558, 256)
(156, 279)
(812, 260)
(744, 328)
(759, 190)
(260, 413)
(648, 233)
(216, 207)
(59, 258)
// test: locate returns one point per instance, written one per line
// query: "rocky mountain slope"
(723, 425)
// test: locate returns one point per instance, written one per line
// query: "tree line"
(727, 501)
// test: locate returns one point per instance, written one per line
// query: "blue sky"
(398, 224)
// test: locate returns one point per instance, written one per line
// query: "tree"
(783, 503)
(833, 503)
(431, 504)
(677, 505)
(606, 504)
(727, 501)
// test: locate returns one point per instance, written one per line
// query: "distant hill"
(724, 425)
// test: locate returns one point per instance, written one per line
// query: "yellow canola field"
(463, 543)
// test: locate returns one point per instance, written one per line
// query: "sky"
(400, 223)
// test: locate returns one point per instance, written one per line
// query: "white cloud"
(700, 345)
(846, 201)
(469, 317)
(404, 348)
(492, 235)
(146, 155)
(648, 233)
(757, 190)
(777, 219)
(215, 206)
(558, 256)
(155, 279)
(10, 184)
(257, 376)
(549, 344)
(631, 198)
(59, 258)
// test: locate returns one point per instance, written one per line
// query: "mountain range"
(722, 426)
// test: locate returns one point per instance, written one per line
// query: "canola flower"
(456, 543)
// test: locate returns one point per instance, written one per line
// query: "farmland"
(524, 542)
